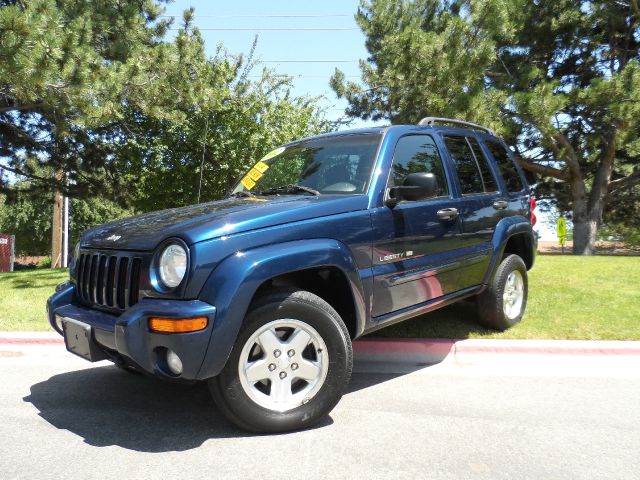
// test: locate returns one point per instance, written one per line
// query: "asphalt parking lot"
(61, 417)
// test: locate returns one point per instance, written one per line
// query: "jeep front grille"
(109, 280)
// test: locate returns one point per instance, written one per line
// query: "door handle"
(447, 214)
(500, 204)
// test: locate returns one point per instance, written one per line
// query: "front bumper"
(128, 336)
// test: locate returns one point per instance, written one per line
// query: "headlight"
(173, 265)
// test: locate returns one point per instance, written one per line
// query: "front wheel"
(290, 366)
(502, 304)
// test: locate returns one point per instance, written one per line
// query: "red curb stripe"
(408, 345)
(413, 351)
(544, 350)
(31, 341)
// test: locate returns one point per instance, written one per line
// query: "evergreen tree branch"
(625, 182)
(543, 170)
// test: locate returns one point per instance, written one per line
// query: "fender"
(233, 283)
(506, 228)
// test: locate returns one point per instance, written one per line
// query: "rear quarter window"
(472, 167)
(507, 168)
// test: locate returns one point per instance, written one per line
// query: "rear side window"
(416, 154)
(474, 173)
(507, 169)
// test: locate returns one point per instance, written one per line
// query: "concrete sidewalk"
(63, 417)
(385, 354)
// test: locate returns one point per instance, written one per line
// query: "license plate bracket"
(79, 340)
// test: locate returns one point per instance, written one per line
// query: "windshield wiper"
(290, 188)
(242, 193)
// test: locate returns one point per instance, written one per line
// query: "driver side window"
(418, 154)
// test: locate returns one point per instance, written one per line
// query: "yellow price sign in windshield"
(261, 166)
(248, 183)
(257, 171)
(254, 174)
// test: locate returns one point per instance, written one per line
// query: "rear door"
(415, 252)
(481, 203)
(513, 184)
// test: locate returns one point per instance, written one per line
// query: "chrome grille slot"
(111, 274)
(123, 263)
(92, 278)
(100, 280)
(108, 279)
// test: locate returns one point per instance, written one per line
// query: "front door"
(415, 251)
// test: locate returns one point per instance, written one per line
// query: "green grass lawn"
(588, 298)
(23, 298)
(569, 297)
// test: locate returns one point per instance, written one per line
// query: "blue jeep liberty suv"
(322, 241)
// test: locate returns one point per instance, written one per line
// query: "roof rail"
(434, 120)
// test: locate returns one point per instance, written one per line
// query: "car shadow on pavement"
(363, 380)
(107, 406)
(367, 375)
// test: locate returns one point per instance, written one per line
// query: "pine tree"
(66, 68)
(560, 79)
(92, 94)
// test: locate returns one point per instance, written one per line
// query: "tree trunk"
(587, 217)
(56, 227)
(588, 214)
(56, 231)
(584, 237)
(584, 231)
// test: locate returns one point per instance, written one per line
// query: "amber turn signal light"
(178, 325)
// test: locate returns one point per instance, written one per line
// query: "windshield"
(336, 165)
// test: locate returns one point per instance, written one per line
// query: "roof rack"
(434, 120)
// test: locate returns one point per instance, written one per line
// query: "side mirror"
(415, 186)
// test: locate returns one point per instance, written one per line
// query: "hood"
(214, 219)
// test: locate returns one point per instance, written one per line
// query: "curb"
(30, 338)
(424, 351)
(409, 350)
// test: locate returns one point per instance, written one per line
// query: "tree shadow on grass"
(22, 284)
(36, 273)
(42, 281)
(32, 280)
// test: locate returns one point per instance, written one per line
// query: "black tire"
(491, 310)
(310, 309)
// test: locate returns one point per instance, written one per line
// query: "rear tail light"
(532, 215)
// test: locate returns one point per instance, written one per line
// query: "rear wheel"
(290, 366)
(503, 303)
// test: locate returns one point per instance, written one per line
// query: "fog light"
(173, 362)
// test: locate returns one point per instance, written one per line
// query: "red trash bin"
(7, 249)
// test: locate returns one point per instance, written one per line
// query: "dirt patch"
(602, 248)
